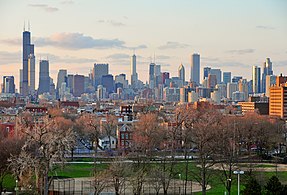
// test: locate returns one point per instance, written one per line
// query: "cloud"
(16, 42)
(173, 45)
(74, 41)
(112, 22)
(118, 56)
(66, 59)
(9, 57)
(45, 7)
(67, 2)
(78, 41)
(265, 27)
(241, 51)
(211, 59)
(162, 57)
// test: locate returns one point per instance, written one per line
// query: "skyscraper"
(44, 78)
(216, 72)
(270, 81)
(134, 75)
(28, 49)
(181, 73)
(267, 70)
(99, 71)
(79, 85)
(206, 72)
(108, 83)
(195, 68)
(62, 77)
(151, 75)
(256, 79)
(243, 87)
(8, 84)
(31, 73)
(226, 77)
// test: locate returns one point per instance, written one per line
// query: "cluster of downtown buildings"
(266, 92)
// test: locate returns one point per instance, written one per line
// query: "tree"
(109, 127)
(47, 141)
(8, 147)
(100, 181)
(226, 150)
(252, 187)
(205, 122)
(118, 172)
(274, 187)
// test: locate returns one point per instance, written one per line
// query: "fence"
(85, 187)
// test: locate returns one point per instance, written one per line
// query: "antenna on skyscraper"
(29, 25)
(154, 57)
(134, 51)
(24, 26)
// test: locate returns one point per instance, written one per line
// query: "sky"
(232, 35)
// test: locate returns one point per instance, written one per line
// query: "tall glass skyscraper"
(256, 79)
(195, 68)
(44, 78)
(28, 49)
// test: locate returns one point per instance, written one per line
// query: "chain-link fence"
(85, 187)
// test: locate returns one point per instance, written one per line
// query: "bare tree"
(101, 180)
(47, 141)
(205, 120)
(8, 147)
(118, 172)
(109, 127)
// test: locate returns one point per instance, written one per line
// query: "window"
(123, 136)
(127, 136)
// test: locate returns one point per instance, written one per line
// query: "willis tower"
(28, 49)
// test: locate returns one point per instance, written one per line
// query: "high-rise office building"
(8, 84)
(278, 98)
(216, 72)
(195, 68)
(44, 78)
(134, 74)
(181, 73)
(62, 78)
(151, 75)
(267, 70)
(165, 77)
(270, 81)
(121, 78)
(226, 77)
(157, 75)
(79, 85)
(211, 81)
(99, 71)
(231, 87)
(108, 83)
(236, 79)
(243, 87)
(256, 79)
(31, 73)
(70, 82)
(206, 72)
(28, 49)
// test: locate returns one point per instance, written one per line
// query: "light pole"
(238, 173)
(16, 187)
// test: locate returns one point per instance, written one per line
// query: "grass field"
(86, 169)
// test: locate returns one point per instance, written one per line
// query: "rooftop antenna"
(154, 57)
(29, 25)
(24, 26)
(134, 51)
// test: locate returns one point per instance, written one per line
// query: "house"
(104, 142)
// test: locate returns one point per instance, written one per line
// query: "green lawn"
(217, 187)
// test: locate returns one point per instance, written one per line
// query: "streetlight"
(16, 187)
(238, 173)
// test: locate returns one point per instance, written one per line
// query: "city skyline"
(110, 36)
